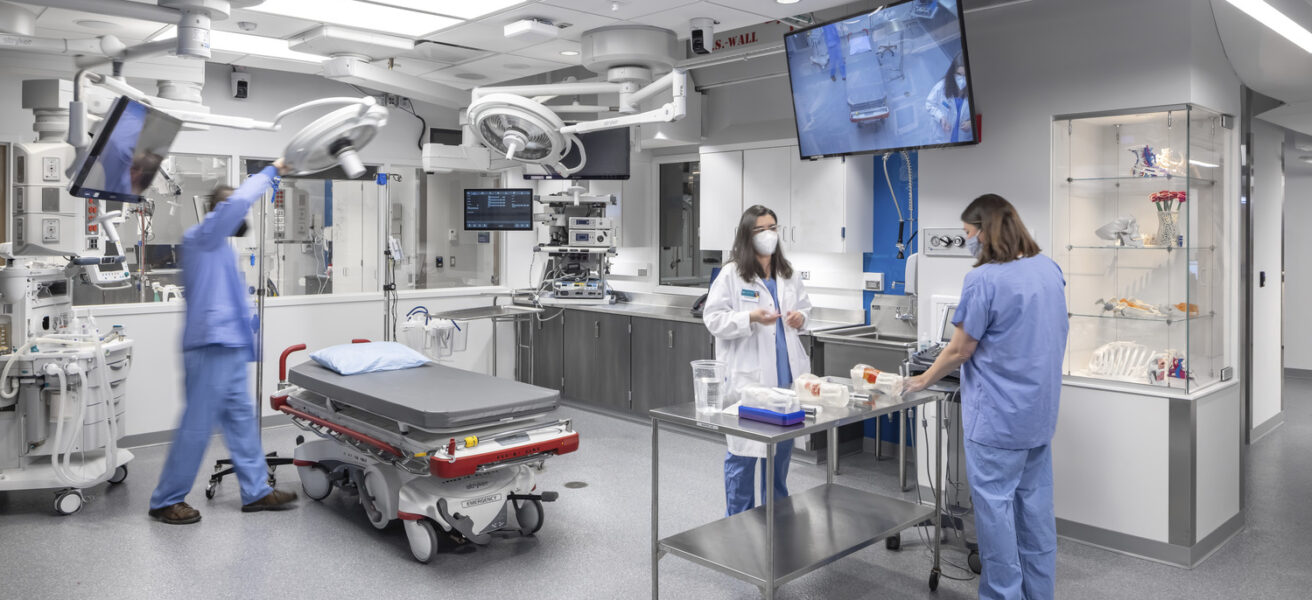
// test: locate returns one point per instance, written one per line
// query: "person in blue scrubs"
(1011, 327)
(756, 309)
(834, 47)
(217, 343)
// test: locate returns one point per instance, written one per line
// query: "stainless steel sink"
(867, 334)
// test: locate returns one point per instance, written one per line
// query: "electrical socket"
(806, 275)
(452, 262)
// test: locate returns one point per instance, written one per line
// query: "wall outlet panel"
(945, 242)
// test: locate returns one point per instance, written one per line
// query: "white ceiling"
(467, 55)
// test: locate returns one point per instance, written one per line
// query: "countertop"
(673, 313)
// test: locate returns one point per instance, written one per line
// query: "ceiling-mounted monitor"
(122, 163)
(608, 157)
(895, 78)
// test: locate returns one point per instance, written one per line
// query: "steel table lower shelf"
(784, 539)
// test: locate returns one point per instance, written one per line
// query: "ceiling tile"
(66, 21)
(551, 51)
(487, 33)
(774, 10)
(266, 24)
(491, 70)
(627, 10)
(676, 19)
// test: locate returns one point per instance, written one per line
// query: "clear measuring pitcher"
(709, 384)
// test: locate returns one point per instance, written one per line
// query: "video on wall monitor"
(127, 153)
(505, 209)
(895, 78)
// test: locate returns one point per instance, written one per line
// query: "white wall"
(1298, 270)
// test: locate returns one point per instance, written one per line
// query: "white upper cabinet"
(721, 198)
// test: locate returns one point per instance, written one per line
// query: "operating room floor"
(595, 541)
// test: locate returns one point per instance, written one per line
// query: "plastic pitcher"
(710, 384)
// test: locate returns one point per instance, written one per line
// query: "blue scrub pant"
(1012, 494)
(836, 62)
(741, 471)
(216, 395)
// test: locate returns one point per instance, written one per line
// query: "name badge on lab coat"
(751, 296)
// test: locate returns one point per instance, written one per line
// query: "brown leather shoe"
(275, 500)
(176, 514)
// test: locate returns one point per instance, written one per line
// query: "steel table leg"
(769, 520)
(655, 510)
(833, 455)
(938, 479)
(879, 441)
(902, 449)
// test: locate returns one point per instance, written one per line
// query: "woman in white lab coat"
(755, 309)
(948, 105)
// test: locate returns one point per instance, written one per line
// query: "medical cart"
(794, 546)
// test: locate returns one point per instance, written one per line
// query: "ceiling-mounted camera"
(702, 34)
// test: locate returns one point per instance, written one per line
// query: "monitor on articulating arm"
(127, 153)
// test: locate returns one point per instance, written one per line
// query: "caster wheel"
(119, 475)
(300, 439)
(933, 581)
(209, 492)
(374, 489)
(973, 560)
(529, 515)
(273, 481)
(68, 502)
(894, 542)
(315, 483)
(423, 539)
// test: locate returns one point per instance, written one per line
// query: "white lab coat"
(941, 108)
(748, 348)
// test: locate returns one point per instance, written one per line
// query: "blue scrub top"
(1011, 386)
(781, 364)
(218, 311)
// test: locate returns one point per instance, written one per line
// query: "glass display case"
(1139, 229)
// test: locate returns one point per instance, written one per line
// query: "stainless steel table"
(497, 314)
(776, 543)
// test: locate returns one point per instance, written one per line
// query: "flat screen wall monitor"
(505, 209)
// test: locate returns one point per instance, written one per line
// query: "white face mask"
(765, 242)
(972, 244)
(961, 82)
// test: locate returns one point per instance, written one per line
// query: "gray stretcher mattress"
(428, 397)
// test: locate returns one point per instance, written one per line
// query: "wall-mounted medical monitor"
(895, 78)
(125, 157)
(508, 209)
(607, 152)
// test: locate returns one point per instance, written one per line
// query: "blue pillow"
(354, 359)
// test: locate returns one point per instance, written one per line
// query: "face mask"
(765, 242)
(972, 244)
(961, 82)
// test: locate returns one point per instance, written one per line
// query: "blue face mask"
(972, 244)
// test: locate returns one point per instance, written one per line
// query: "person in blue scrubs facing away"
(834, 47)
(756, 309)
(1011, 326)
(217, 343)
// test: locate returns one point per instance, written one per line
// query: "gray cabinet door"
(596, 359)
(653, 364)
(548, 350)
(691, 342)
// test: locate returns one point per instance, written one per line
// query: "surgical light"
(334, 138)
(1276, 21)
(361, 15)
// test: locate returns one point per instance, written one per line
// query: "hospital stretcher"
(448, 452)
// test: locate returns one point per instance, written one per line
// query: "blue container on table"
(770, 416)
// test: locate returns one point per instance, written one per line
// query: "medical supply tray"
(770, 416)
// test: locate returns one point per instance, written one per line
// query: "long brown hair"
(1003, 237)
(744, 254)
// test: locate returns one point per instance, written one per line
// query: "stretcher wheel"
(529, 515)
(68, 502)
(893, 542)
(933, 581)
(314, 480)
(423, 539)
(973, 560)
(374, 489)
(209, 492)
(119, 475)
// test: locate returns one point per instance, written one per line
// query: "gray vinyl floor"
(595, 541)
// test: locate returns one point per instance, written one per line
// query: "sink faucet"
(908, 314)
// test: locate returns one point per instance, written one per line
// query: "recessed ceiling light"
(1278, 22)
(569, 52)
(462, 9)
(517, 66)
(471, 76)
(361, 15)
(787, 1)
(97, 25)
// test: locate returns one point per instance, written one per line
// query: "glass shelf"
(1166, 320)
(1192, 180)
(1158, 248)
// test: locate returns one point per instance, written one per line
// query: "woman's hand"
(915, 384)
(763, 316)
(795, 319)
(282, 167)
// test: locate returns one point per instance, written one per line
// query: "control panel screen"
(508, 209)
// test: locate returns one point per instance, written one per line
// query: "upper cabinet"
(822, 206)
